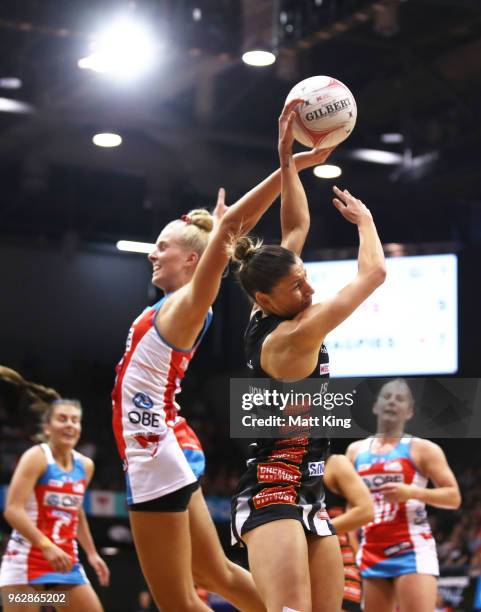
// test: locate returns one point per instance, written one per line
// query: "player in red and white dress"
(175, 537)
(397, 554)
(44, 507)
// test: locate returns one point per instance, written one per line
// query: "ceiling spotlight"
(376, 156)
(124, 50)
(15, 106)
(327, 171)
(107, 140)
(135, 247)
(10, 83)
(259, 58)
(392, 138)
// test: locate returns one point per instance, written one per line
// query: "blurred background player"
(166, 507)
(349, 505)
(397, 555)
(278, 508)
(44, 508)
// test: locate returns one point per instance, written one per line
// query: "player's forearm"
(294, 206)
(250, 208)
(371, 256)
(84, 536)
(18, 519)
(352, 519)
(245, 213)
(441, 497)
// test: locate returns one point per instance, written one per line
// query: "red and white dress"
(53, 508)
(159, 451)
(399, 539)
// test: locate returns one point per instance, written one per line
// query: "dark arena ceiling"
(202, 118)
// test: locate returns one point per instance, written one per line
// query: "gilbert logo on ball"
(328, 114)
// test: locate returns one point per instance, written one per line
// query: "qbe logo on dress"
(316, 468)
(143, 401)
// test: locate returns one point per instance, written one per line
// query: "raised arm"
(295, 219)
(340, 477)
(314, 323)
(191, 302)
(30, 467)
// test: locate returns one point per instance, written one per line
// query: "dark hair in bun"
(261, 266)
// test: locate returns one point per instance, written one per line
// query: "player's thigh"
(20, 593)
(80, 597)
(416, 592)
(279, 563)
(209, 562)
(162, 542)
(326, 572)
(378, 595)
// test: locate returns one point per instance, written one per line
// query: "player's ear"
(263, 300)
(410, 413)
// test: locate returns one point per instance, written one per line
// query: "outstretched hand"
(318, 156)
(350, 207)
(286, 131)
(220, 208)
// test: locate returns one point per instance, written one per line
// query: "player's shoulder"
(421, 445)
(33, 459)
(337, 461)
(86, 462)
(354, 449)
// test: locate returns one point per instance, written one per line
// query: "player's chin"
(157, 281)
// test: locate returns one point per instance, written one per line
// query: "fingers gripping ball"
(328, 114)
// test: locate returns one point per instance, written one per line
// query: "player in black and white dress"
(278, 510)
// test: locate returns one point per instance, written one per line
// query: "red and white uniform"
(53, 508)
(149, 432)
(399, 539)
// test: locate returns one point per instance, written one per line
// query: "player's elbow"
(378, 274)
(456, 500)
(367, 512)
(10, 512)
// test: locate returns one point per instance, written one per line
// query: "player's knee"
(181, 601)
(215, 577)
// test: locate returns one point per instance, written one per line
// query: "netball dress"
(284, 476)
(159, 451)
(399, 539)
(53, 508)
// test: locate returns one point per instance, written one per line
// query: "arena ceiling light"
(10, 83)
(392, 138)
(327, 171)
(15, 106)
(124, 50)
(135, 247)
(376, 156)
(258, 57)
(107, 139)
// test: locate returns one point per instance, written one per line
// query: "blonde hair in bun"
(194, 229)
